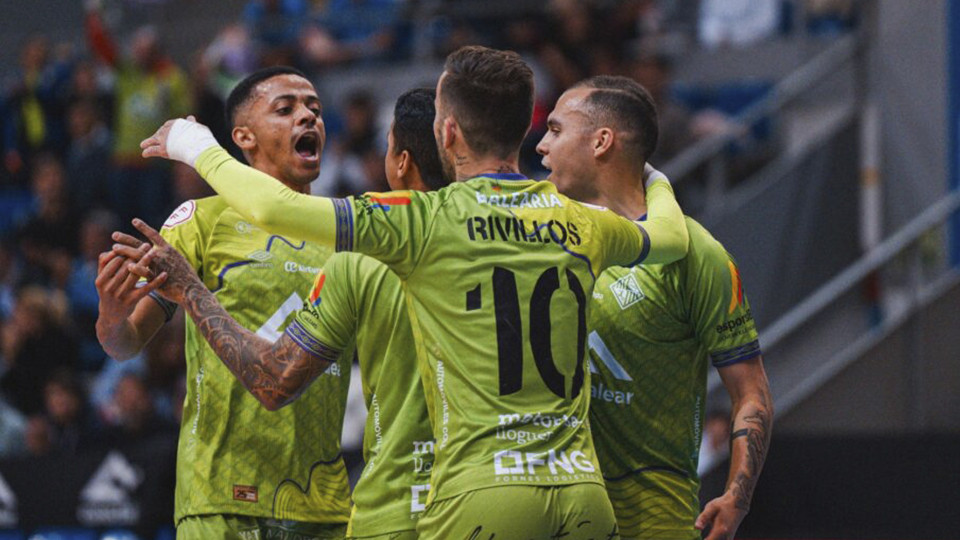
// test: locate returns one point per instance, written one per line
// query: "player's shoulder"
(356, 264)
(203, 208)
(704, 248)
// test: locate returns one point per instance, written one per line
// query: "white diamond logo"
(627, 291)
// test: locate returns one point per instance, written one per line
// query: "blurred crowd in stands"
(72, 116)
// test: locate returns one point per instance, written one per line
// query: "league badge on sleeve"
(182, 214)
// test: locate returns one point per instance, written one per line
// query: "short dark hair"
(626, 105)
(243, 91)
(490, 93)
(413, 131)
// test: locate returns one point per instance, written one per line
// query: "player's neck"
(275, 172)
(468, 166)
(625, 198)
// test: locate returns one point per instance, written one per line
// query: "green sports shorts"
(572, 512)
(235, 527)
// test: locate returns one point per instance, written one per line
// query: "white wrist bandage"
(187, 140)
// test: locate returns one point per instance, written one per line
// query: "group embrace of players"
(470, 296)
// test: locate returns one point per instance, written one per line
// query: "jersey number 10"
(510, 329)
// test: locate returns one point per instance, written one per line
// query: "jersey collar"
(504, 176)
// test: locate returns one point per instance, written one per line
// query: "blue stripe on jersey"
(301, 337)
(646, 246)
(505, 176)
(225, 270)
(285, 241)
(735, 355)
(344, 216)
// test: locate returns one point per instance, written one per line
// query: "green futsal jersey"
(497, 271)
(234, 456)
(654, 329)
(358, 299)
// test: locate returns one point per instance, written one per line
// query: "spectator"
(276, 27)
(71, 427)
(206, 86)
(36, 340)
(135, 418)
(88, 85)
(34, 112)
(38, 438)
(227, 60)
(88, 156)
(356, 161)
(48, 239)
(655, 73)
(358, 30)
(150, 89)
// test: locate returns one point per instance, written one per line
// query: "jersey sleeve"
(719, 308)
(661, 239)
(326, 325)
(393, 227)
(390, 227)
(272, 206)
(185, 231)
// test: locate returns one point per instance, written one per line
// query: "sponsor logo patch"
(182, 214)
(627, 291)
(245, 493)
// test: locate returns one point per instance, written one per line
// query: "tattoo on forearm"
(274, 373)
(757, 433)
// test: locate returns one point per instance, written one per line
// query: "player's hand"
(164, 260)
(721, 517)
(117, 287)
(180, 140)
(651, 175)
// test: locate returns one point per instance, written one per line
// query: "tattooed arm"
(752, 413)
(275, 373)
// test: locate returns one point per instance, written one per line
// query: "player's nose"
(306, 116)
(542, 147)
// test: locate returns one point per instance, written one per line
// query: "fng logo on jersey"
(627, 291)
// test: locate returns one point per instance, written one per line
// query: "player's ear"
(450, 131)
(603, 139)
(243, 137)
(403, 164)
